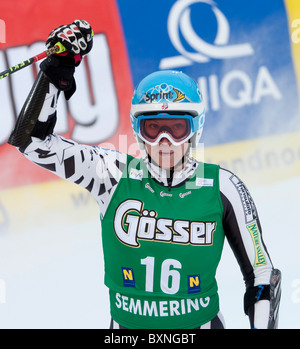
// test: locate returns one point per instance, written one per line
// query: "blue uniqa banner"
(239, 53)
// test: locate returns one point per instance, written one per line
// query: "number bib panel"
(162, 248)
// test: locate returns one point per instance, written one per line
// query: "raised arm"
(95, 169)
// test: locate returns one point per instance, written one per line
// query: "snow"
(52, 277)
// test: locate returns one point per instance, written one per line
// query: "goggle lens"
(178, 129)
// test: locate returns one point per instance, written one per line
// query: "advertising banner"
(243, 56)
(239, 53)
(99, 110)
(97, 113)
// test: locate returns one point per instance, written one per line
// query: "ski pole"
(57, 48)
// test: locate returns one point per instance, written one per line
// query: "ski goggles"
(176, 128)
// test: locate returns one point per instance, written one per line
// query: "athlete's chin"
(167, 163)
(166, 167)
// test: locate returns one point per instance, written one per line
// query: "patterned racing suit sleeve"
(96, 169)
(244, 234)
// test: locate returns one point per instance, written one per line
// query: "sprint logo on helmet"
(164, 93)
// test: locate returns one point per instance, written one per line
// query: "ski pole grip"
(59, 48)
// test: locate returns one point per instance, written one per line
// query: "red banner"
(99, 110)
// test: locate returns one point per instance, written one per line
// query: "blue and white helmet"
(168, 92)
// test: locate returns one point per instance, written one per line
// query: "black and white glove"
(77, 38)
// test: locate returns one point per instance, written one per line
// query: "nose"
(164, 141)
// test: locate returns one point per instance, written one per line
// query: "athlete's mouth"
(166, 152)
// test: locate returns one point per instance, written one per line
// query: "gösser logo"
(133, 223)
(180, 21)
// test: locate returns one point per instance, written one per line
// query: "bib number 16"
(169, 275)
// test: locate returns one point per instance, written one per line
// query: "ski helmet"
(168, 94)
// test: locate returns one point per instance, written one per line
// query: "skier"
(164, 217)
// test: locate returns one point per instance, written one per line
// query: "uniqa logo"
(180, 25)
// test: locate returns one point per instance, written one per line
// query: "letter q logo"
(179, 22)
